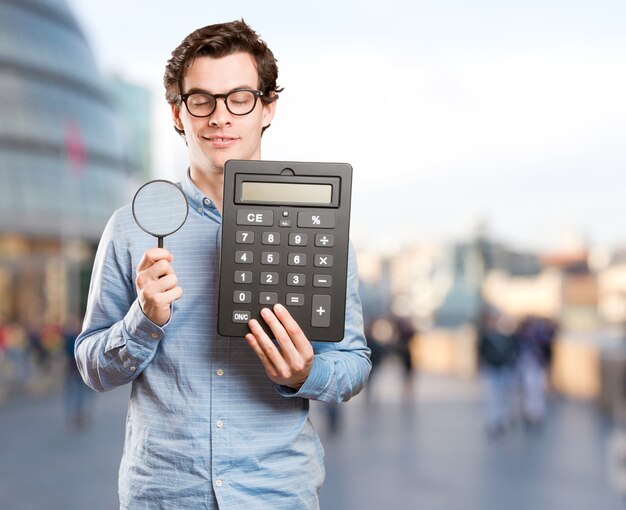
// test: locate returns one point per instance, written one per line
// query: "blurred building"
(132, 105)
(65, 165)
(443, 287)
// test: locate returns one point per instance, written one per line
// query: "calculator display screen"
(286, 192)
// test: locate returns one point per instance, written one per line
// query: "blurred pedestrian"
(406, 336)
(78, 397)
(380, 334)
(535, 337)
(497, 353)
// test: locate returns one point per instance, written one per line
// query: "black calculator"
(285, 229)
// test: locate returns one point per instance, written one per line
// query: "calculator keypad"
(297, 260)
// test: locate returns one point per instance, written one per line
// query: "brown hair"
(217, 41)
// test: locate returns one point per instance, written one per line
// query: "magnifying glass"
(160, 208)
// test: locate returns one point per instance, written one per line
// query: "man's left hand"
(289, 362)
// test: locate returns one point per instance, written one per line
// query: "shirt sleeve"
(118, 341)
(339, 370)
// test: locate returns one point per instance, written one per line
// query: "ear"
(268, 112)
(178, 124)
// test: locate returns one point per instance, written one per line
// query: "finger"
(163, 284)
(151, 256)
(267, 364)
(293, 330)
(162, 299)
(157, 271)
(172, 295)
(268, 348)
(282, 337)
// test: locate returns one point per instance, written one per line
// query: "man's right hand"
(157, 285)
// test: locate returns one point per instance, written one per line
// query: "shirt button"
(220, 372)
(133, 368)
(207, 201)
(200, 208)
(218, 483)
(154, 335)
(219, 424)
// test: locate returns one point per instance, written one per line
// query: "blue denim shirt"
(206, 427)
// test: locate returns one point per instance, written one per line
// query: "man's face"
(222, 136)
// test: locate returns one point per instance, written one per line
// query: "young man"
(213, 422)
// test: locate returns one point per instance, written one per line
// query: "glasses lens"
(241, 102)
(200, 104)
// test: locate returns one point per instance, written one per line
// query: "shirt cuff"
(141, 336)
(314, 384)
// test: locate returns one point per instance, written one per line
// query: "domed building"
(63, 170)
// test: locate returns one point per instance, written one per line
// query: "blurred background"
(489, 147)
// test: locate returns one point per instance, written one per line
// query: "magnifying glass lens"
(160, 208)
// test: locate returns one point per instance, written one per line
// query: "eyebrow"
(197, 90)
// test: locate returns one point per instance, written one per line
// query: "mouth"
(221, 141)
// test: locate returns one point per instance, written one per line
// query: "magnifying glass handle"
(160, 242)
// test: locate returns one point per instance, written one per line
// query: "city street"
(391, 451)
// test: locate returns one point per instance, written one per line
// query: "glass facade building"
(64, 168)
(59, 142)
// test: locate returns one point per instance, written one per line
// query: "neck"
(212, 185)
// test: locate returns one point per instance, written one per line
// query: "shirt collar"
(197, 199)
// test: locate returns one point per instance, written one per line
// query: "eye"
(241, 97)
(200, 100)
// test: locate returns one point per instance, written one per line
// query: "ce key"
(255, 217)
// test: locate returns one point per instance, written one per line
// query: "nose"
(221, 116)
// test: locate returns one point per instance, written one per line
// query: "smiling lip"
(221, 141)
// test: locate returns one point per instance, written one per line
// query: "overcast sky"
(450, 112)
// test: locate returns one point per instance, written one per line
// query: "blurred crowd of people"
(514, 358)
(33, 358)
(392, 336)
(388, 336)
(26, 352)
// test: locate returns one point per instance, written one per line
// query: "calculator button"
(295, 299)
(284, 223)
(321, 219)
(242, 296)
(268, 298)
(241, 316)
(269, 279)
(244, 257)
(244, 237)
(297, 239)
(269, 257)
(326, 240)
(271, 238)
(255, 217)
(296, 279)
(320, 311)
(296, 259)
(243, 276)
(322, 280)
(323, 260)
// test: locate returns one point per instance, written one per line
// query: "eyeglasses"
(238, 102)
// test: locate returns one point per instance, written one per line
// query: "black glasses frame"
(255, 93)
